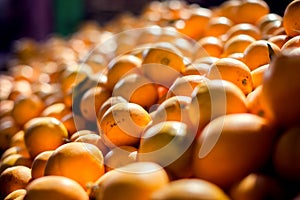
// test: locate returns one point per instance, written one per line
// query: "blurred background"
(38, 18)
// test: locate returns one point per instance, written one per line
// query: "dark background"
(38, 18)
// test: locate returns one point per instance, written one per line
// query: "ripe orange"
(14, 160)
(32, 106)
(196, 69)
(18, 139)
(243, 28)
(79, 161)
(122, 124)
(44, 133)
(56, 110)
(15, 150)
(224, 151)
(290, 18)
(55, 187)
(229, 9)
(237, 44)
(211, 45)
(293, 42)
(39, 164)
(258, 75)
(14, 178)
(258, 53)
(108, 103)
(79, 133)
(119, 157)
(92, 100)
(256, 103)
(266, 19)
(286, 154)
(8, 128)
(21, 87)
(135, 181)
(93, 139)
(16, 195)
(137, 89)
(279, 40)
(6, 106)
(192, 189)
(232, 70)
(217, 26)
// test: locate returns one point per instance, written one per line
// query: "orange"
(31, 105)
(257, 186)
(237, 56)
(44, 133)
(69, 122)
(192, 189)
(15, 150)
(162, 63)
(245, 12)
(195, 24)
(135, 181)
(16, 195)
(6, 107)
(185, 85)
(279, 40)
(205, 60)
(286, 94)
(39, 164)
(108, 103)
(258, 75)
(14, 178)
(256, 103)
(224, 151)
(18, 139)
(57, 110)
(119, 157)
(216, 98)
(121, 66)
(290, 18)
(55, 187)
(232, 70)
(212, 46)
(172, 109)
(237, 44)
(15, 160)
(21, 87)
(79, 161)
(258, 53)
(122, 124)
(217, 26)
(80, 133)
(271, 28)
(169, 144)
(243, 28)
(196, 69)
(286, 154)
(137, 89)
(263, 21)
(93, 139)
(229, 9)
(8, 128)
(293, 42)
(92, 100)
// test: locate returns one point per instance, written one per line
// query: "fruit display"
(178, 102)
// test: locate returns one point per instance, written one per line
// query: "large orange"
(290, 18)
(224, 151)
(44, 133)
(246, 14)
(79, 161)
(55, 187)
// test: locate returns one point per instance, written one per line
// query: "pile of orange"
(180, 102)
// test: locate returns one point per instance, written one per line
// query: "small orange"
(14, 178)
(79, 161)
(39, 164)
(119, 157)
(137, 89)
(232, 70)
(121, 66)
(290, 18)
(192, 189)
(243, 28)
(94, 139)
(108, 103)
(14, 160)
(32, 106)
(258, 53)
(44, 133)
(271, 28)
(55, 187)
(18, 139)
(237, 44)
(229, 9)
(217, 26)
(266, 19)
(279, 40)
(15, 150)
(258, 75)
(256, 103)
(92, 100)
(212, 46)
(123, 123)
(79, 133)
(293, 42)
